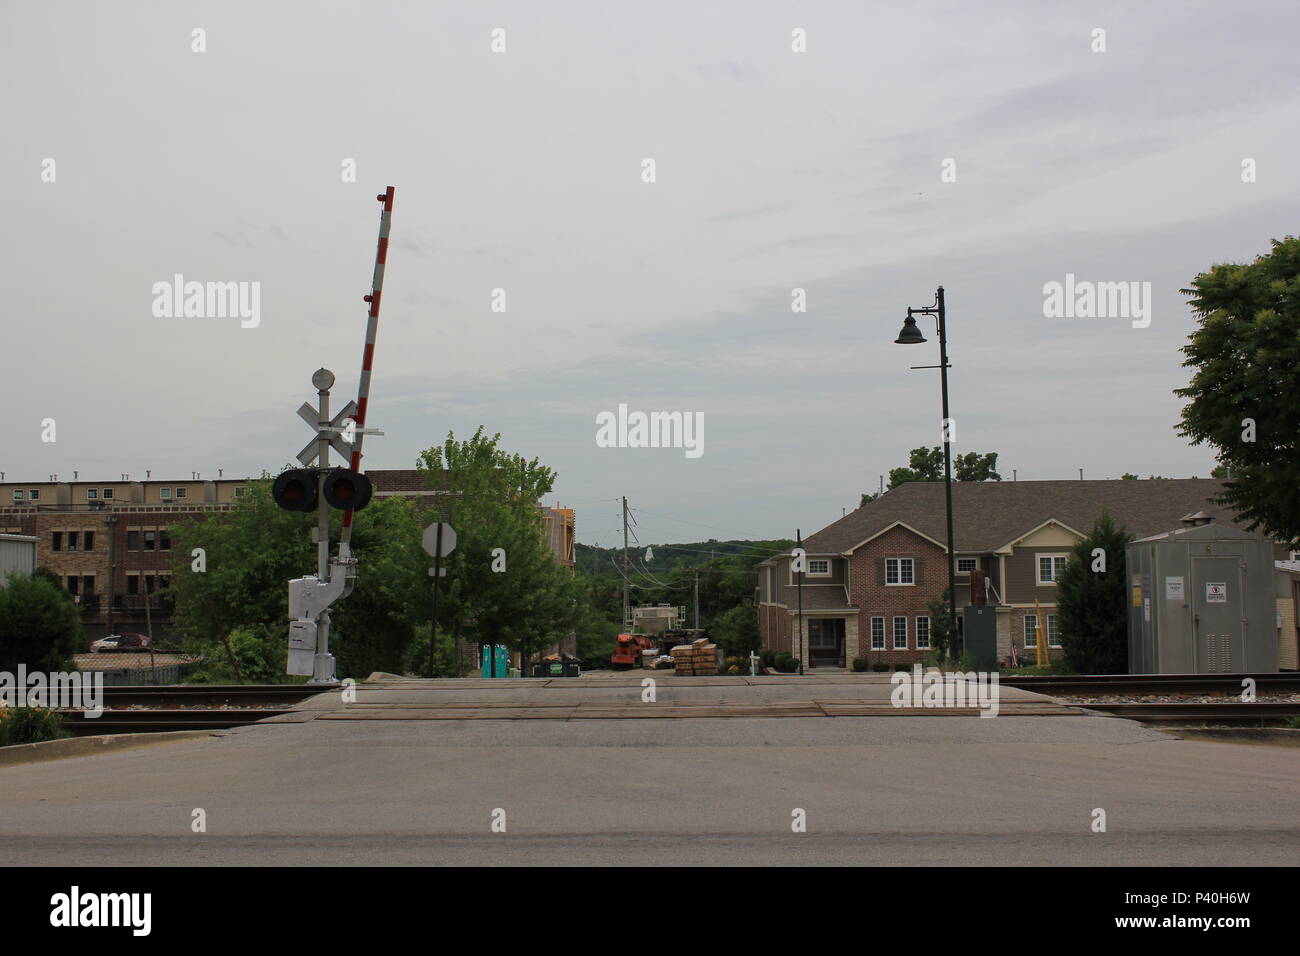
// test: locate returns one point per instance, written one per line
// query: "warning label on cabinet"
(1216, 593)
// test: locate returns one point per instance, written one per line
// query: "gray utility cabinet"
(1200, 601)
(980, 636)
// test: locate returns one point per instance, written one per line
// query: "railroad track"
(1151, 683)
(190, 707)
(155, 721)
(1259, 713)
(211, 695)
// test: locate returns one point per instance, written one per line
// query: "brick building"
(872, 573)
(107, 541)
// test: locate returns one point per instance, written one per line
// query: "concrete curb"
(1266, 736)
(81, 746)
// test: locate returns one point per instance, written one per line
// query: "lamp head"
(909, 334)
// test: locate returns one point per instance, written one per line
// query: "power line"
(700, 523)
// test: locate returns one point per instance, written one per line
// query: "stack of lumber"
(696, 658)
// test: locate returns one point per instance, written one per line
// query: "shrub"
(902, 667)
(30, 725)
(39, 625)
(879, 668)
(1093, 605)
(768, 657)
(787, 664)
(860, 664)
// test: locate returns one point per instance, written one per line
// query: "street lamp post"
(911, 335)
(799, 589)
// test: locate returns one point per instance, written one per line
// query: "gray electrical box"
(980, 636)
(1200, 601)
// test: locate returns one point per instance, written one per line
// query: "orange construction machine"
(627, 650)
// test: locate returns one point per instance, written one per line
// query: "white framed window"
(900, 571)
(165, 494)
(900, 633)
(923, 633)
(92, 494)
(182, 492)
(108, 493)
(1050, 567)
(34, 494)
(877, 633)
(819, 567)
(239, 491)
(1053, 632)
(18, 494)
(1031, 630)
(967, 565)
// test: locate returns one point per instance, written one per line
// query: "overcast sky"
(523, 171)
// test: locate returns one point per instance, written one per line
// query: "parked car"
(121, 642)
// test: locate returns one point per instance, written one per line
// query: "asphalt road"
(875, 790)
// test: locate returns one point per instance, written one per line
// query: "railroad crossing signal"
(341, 427)
(295, 490)
(347, 490)
(344, 489)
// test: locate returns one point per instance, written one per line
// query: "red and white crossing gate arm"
(368, 355)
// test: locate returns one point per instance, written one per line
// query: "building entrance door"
(826, 642)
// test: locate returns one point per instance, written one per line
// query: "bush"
(880, 668)
(902, 667)
(416, 658)
(1093, 605)
(768, 657)
(39, 625)
(860, 664)
(30, 725)
(787, 664)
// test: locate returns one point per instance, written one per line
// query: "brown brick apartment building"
(872, 574)
(107, 541)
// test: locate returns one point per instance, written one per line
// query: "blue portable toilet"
(502, 659)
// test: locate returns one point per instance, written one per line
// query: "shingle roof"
(987, 515)
(816, 597)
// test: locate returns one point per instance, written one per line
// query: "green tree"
(736, 630)
(1091, 605)
(48, 575)
(39, 625)
(923, 464)
(491, 499)
(940, 615)
(1244, 395)
(976, 467)
(926, 464)
(251, 552)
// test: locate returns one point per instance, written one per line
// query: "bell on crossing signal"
(347, 490)
(295, 490)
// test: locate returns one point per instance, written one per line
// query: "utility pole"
(627, 593)
(697, 599)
